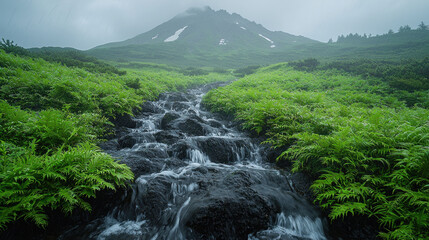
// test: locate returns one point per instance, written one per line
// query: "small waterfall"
(148, 125)
(175, 234)
(295, 226)
(180, 190)
(197, 156)
(131, 229)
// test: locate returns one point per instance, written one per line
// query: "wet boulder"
(131, 139)
(271, 154)
(140, 165)
(301, 183)
(224, 150)
(154, 197)
(179, 106)
(111, 145)
(191, 127)
(152, 153)
(124, 120)
(148, 108)
(180, 149)
(166, 121)
(167, 137)
(227, 214)
(127, 141)
(215, 124)
(240, 178)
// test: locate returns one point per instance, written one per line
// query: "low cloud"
(84, 24)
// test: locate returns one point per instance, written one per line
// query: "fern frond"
(342, 210)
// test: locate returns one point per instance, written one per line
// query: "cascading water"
(198, 177)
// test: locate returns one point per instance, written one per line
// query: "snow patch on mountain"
(176, 35)
(222, 42)
(155, 37)
(269, 40)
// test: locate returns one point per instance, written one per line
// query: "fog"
(84, 24)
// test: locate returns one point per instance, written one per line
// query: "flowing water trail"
(198, 177)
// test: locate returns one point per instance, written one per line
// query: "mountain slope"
(208, 38)
(202, 37)
(209, 28)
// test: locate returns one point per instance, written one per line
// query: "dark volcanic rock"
(224, 150)
(155, 197)
(180, 150)
(271, 154)
(141, 165)
(226, 214)
(124, 120)
(167, 137)
(168, 119)
(150, 108)
(152, 153)
(127, 141)
(111, 145)
(301, 184)
(191, 127)
(240, 178)
(215, 124)
(179, 106)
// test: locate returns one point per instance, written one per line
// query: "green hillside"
(364, 140)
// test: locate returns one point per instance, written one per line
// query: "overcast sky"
(84, 24)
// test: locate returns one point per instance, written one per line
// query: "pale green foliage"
(369, 151)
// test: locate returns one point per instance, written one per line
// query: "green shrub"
(241, 72)
(309, 64)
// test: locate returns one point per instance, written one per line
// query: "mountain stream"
(198, 177)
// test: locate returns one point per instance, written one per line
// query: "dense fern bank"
(367, 148)
(52, 117)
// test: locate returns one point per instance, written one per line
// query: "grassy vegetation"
(52, 117)
(393, 46)
(67, 56)
(365, 145)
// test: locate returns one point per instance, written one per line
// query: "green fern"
(342, 210)
(31, 183)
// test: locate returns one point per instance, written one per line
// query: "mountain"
(203, 37)
(208, 38)
(202, 28)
